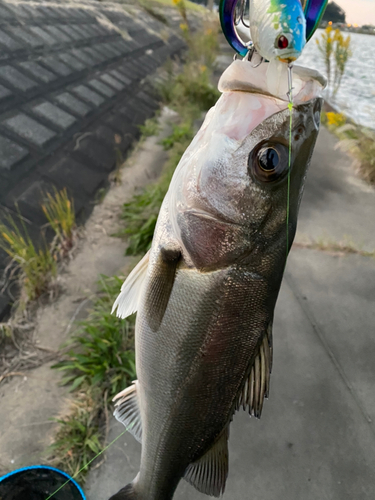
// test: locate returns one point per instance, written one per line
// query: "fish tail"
(126, 493)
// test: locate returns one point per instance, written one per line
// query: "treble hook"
(240, 19)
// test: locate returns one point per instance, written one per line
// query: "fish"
(205, 293)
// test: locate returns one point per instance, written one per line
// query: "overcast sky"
(358, 11)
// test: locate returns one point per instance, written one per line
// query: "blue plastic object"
(38, 482)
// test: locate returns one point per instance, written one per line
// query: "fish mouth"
(202, 214)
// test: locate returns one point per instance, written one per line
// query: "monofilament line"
(290, 107)
(88, 463)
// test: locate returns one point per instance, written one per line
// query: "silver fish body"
(206, 294)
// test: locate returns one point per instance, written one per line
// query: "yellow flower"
(335, 120)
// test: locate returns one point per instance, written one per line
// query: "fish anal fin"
(257, 384)
(209, 474)
(160, 284)
(127, 410)
(128, 300)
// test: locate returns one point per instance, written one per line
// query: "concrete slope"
(316, 437)
(72, 95)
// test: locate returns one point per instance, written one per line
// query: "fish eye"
(268, 162)
(268, 159)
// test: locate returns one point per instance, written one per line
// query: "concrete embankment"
(73, 89)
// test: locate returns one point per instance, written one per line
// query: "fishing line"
(290, 107)
(88, 463)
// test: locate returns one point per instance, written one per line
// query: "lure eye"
(268, 162)
(282, 42)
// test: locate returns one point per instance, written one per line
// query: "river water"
(356, 95)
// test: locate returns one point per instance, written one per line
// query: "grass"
(99, 364)
(149, 128)
(37, 266)
(80, 435)
(103, 349)
(59, 211)
(358, 141)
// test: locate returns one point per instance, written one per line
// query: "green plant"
(37, 266)
(333, 45)
(80, 434)
(59, 211)
(183, 132)
(149, 128)
(103, 352)
(342, 54)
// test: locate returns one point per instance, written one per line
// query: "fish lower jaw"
(202, 214)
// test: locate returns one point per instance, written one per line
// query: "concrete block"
(73, 104)
(108, 135)
(21, 33)
(93, 56)
(59, 35)
(105, 50)
(69, 173)
(37, 71)
(55, 115)
(9, 42)
(16, 79)
(120, 76)
(10, 153)
(29, 129)
(112, 81)
(55, 65)
(98, 155)
(72, 61)
(83, 57)
(88, 95)
(77, 31)
(44, 35)
(101, 87)
(5, 14)
(68, 30)
(4, 93)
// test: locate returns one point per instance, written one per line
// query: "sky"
(358, 11)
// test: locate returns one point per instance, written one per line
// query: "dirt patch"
(29, 400)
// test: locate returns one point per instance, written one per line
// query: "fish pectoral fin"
(209, 474)
(257, 385)
(127, 410)
(160, 284)
(128, 299)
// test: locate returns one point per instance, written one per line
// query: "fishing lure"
(279, 28)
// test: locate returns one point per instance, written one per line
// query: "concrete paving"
(316, 437)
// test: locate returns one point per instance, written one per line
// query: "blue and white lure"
(279, 30)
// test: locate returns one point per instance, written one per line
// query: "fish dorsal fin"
(209, 474)
(128, 299)
(127, 410)
(160, 284)
(257, 384)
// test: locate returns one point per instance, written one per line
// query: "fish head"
(281, 32)
(242, 178)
